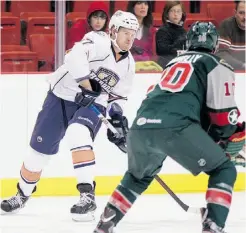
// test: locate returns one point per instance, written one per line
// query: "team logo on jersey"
(85, 119)
(39, 139)
(141, 121)
(202, 162)
(233, 117)
(107, 78)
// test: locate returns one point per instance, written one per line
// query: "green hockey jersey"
(194, 87)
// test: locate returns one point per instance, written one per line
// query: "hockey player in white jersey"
(96, 68)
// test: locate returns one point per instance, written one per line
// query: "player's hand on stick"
(238, 160)
(236, 142)
(120, 123)
(90, 90)
(234, 145)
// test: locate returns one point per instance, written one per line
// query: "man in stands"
(232, 38)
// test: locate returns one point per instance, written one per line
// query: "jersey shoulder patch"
(96, 38)
(100, 41)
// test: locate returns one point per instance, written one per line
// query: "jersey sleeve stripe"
(221, 117)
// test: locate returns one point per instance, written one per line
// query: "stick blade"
(195, 210)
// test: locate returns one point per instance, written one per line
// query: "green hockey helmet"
(202, 35)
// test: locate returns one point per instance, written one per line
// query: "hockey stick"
(194, 210)
(109, 126)
(158, 179)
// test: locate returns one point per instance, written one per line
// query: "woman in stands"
(171, 37)
(142, 47)
(97, 19)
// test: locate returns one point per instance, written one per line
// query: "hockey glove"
(87, 97)
(121, 125)
(234, 145)
(238, 160)
(115, 111)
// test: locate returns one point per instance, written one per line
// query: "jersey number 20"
(176, 77)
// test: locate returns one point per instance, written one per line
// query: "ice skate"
(106, 225)
(85, 208)
(15, 203)
(210, 227)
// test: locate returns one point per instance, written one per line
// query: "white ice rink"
(150, 214)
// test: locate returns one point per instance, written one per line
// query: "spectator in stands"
(97, 19)
(232, 38)
(142, 47)
(171, 37)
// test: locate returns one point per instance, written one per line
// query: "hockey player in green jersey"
(191, 116)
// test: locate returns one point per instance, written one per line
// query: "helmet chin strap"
(116, 45)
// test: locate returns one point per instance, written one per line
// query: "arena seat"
(19, 61)
(10, 48)
(24, 17)
(120, 5)
(220, 13)
(40, 25)
(18, 6)
(3, 5)
(82, 6)
(73, 17)
(10, 30)
(45, 53)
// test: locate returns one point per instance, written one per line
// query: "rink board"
(18, 114)
(180, 183)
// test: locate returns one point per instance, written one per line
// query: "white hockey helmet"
(123, 19)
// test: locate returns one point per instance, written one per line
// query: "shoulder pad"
(100, 41)
(98, 38)
(94, 36)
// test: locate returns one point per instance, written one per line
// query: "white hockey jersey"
(94, 57)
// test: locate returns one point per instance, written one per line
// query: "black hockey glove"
(86, 97)
(120, 123)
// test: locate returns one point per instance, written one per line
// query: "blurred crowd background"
(36, 34)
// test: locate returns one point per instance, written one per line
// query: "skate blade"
(100, 231)
(2, 212)
(89, 217)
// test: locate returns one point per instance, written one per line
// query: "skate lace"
(85, 198)
(17, 201)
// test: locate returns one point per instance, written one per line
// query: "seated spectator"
(232, 38)
(142, 47)
(97, 19)
(171, 37)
